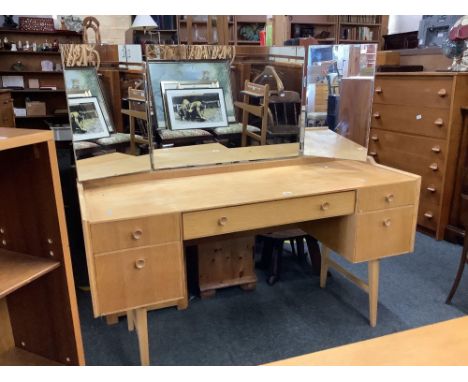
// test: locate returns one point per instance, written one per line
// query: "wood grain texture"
(441, 344)
(7, 341)
(19, 270)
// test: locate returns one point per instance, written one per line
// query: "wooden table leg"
(112, 319)
(130, 320)
(324, 266)
(373, 271)
(141, 325)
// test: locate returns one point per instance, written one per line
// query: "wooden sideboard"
(7, 114)
(417, 126)
(135, 226)
(39, 322)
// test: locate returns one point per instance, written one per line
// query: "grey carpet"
(291, 318)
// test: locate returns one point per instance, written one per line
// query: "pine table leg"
(141, 324)
(373, 269)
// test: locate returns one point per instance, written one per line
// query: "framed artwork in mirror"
(196, 108)
(194, 71)
(86, 119)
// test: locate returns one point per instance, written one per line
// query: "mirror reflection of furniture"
(262, 94)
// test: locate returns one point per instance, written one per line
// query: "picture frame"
(86, 119)
(196, 108)
(193, 70)
(165, 85)
(84, 82)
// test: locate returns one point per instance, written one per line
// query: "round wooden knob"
(378, 90)
(4, 242)
(389, 198)
(428, 214)
(431, 188)
(140, 263)
(137, 234)
(376, 115)
(436, 149)
(439, 122)
(325, 206)
(222, 221)
(372, 153)
(387, 222)
(375, 138)
(434, 166)
(442, 92)
(2, 230)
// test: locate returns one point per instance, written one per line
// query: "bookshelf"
(54, 98)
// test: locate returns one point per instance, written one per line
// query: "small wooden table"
(441, 344)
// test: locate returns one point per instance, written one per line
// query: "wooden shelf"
(27, 52)
(37, 91)
(31, 72)
(20, 357)
(244, 42)
(361, 24)
(21, 270)
(360, 41)
(42, 116)
(54, 33)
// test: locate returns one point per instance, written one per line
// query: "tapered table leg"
(373, 270)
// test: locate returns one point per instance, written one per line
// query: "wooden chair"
(91, 22)
(261, 93)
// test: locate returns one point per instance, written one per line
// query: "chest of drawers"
(7, 116)
(416, 126)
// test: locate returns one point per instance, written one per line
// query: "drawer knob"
(378, 90)
(428, 214)
(389, 198)
(137, 234)
(2, 230)
(434, 167)
(431, 188)
(436, 149)
(439, 122)
(387, 222)
(140, 263)
(222, 221)
(376, 115)
(375, 138)
(442, 92)
(373, 153)
(325, 206)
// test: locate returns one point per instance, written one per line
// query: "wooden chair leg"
(324, 266)
(461, 268)
(141, 324)
(112, 319)
(301, 250)
(293, 247)
(314, 253)
(275, 264)
(373, 271)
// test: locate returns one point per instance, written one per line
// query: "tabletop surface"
(441, 344)
(230, 188)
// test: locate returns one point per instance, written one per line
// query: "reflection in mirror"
(225, 110)
(108, 112)
(340, 80)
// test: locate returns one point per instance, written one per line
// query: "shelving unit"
(39, 322)
(54, 99)
(360, 29)
(323, 28)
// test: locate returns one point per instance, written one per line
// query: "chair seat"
(116, 139)
(83, 145)
(189, 133)
(234, 128)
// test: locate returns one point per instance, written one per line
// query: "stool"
(273, 248)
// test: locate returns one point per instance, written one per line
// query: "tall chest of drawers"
(7, 116)
(416, 126)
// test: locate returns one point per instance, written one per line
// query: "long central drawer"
(267, 214)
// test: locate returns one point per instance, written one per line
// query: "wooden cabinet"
(54, 95)
(416, 126)
(7, 115)
(39, 322)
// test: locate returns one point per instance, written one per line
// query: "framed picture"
(196, 108)
(84, 82)
(180, 71)
(86, 119)
(165, 85)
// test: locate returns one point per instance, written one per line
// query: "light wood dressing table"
(135, 226)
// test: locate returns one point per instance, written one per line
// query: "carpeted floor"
(291, 318)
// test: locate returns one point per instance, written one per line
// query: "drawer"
(138, 277)
(420, 91)
(385, 233)
(387, 196)
(418, 155)
(268, 214)
(117, 235)
(420, 120)
(428, 214)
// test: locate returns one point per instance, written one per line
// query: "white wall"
(403, 23)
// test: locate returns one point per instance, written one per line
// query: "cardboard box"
(35, 108)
